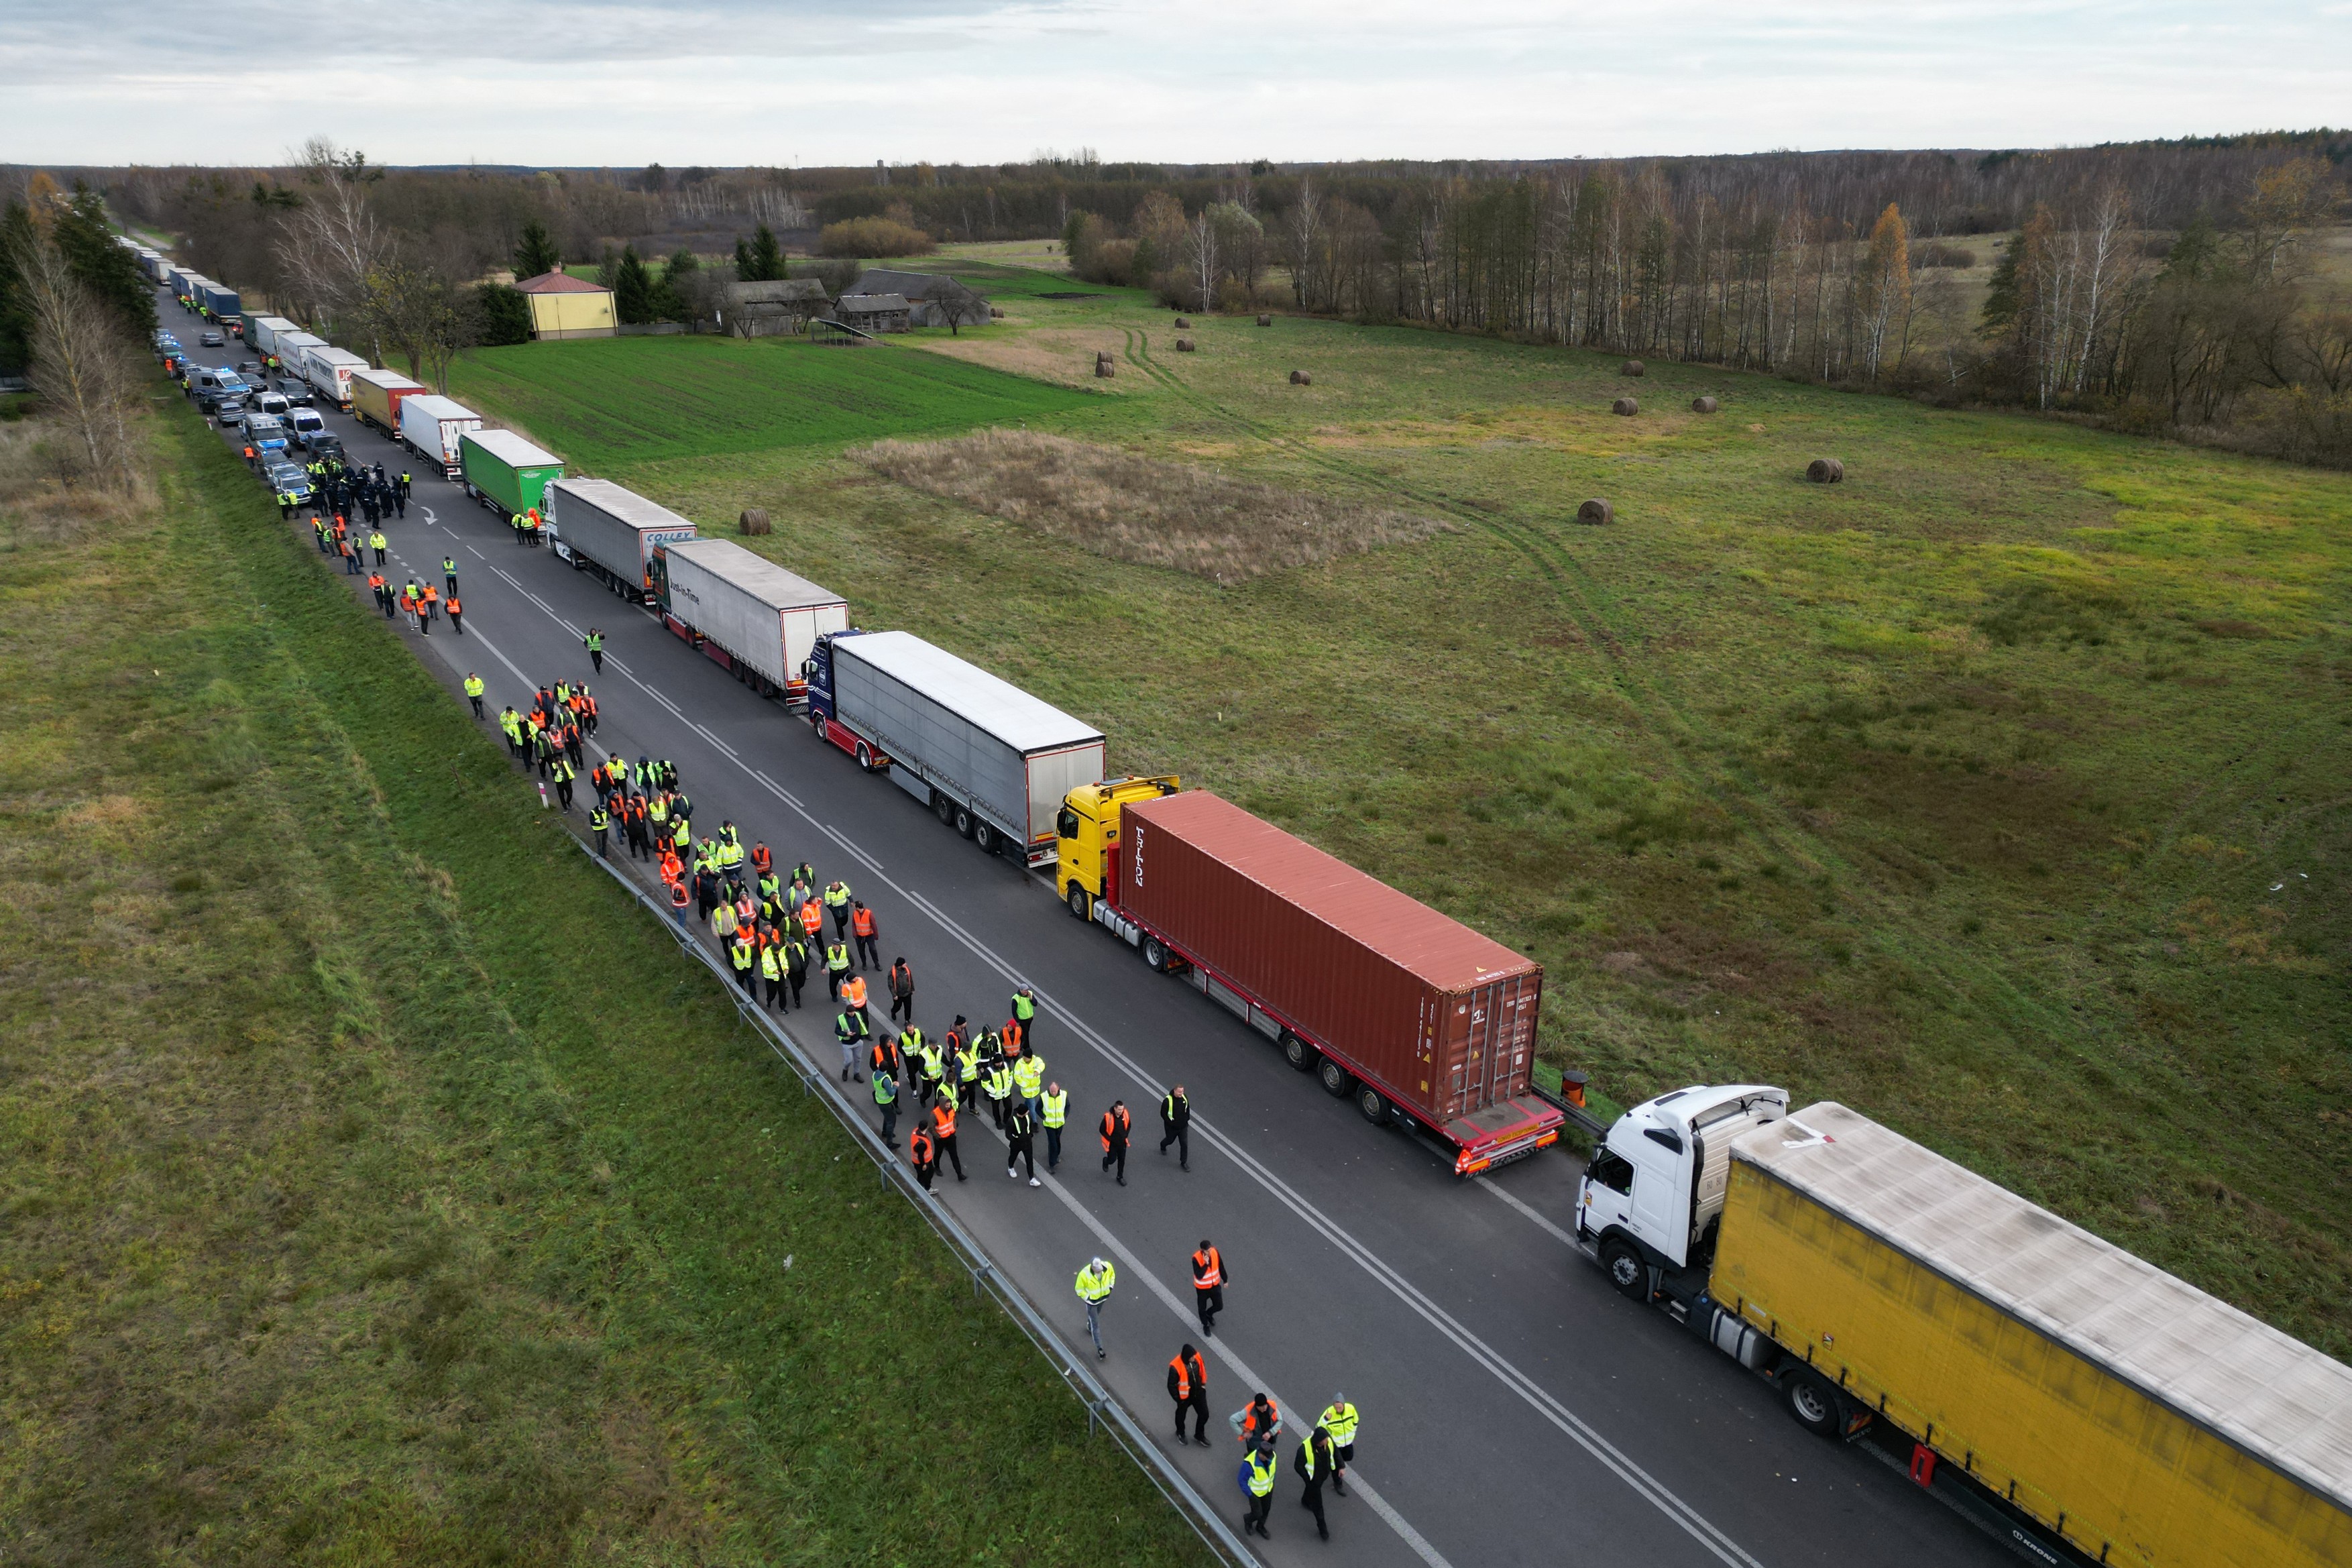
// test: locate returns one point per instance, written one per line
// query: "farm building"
(563, 306)
(874, 312)
(923, 292)
(786, 305)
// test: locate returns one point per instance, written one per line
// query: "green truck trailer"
(505, 472)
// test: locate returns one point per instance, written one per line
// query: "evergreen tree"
(743, 262)
(108, 270)
(632, 289)
(505, 316)
(18, 236)
(537, 253)
(670, 303)
(767, 258)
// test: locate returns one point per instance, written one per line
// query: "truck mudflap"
(1506, 1131)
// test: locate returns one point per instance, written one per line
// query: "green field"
(1998, 791)
(615, 401)
(379, 1184)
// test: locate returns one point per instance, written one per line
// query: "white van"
(305, 424)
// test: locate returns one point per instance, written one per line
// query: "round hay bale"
(1704, 405)
(1300, 378)
(1265, 321)
(1626, 407)
(1825, 471)
(1180, 322)
(1183, 345)
(753, 521)
(1595, 512)
(1105, 368)
(996, 312)
(1631, 367)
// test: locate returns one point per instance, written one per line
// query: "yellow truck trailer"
(2074, 1399)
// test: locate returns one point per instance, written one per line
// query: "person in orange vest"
(673, 870)
(944, 1125)
(249, 459)
(861, 927)
(761, 861)
(1260, 1420)
(1013, 1039)
(679, 898)
(920, 1154)
(1208, 1286)
(1188, 1386)
(457, 616)
(812, 918)
(1115, 1125)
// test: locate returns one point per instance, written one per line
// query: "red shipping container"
(1439, 1019)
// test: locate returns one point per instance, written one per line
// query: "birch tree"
(82, 365)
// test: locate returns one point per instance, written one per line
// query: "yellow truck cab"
(1086, 831)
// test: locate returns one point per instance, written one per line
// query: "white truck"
(329, 371)
(431, 426)
(990, 760)
(293, 350)
(263, 332)
(754, 618)
(610, 532)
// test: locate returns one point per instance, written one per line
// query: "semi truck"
(610, 532)
(1418, 1019)
(377, 395)
(505, 472)
(328, 370)
(293, 350)
(221, 302)
(432, 426)
(263, 332)
(2077, 1402)
(990, 760)
(757, 620)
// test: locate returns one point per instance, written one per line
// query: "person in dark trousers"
(1053, 1111)
(596, 645)
(1208, 1286)
(902, 991)
(1188, 1386)
(943, 1133)
(456, 614)
(1312, 1465)
(1259, 1467)
(1025, 1013)
(796, 962)
(1176, 1126)
(919, 1154)
(600, 823)
(1115, 1126)
(868, 934)
(1021, 1141)
(886, 1099)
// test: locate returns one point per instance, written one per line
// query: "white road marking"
(1528, 1210)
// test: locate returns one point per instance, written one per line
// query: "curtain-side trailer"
(377, 395)
(505, 472)
(601, 528)
(752, 616)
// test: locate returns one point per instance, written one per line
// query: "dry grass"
(1133, 508)
(44, 501)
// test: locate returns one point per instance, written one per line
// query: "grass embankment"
(379, 1184)
(1998, 791)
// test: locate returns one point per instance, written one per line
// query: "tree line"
(75, 317)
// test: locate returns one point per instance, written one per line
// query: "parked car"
(211, 340)
(295, 391)
(250, 369)
(288, 478)
(327, 449)
(305, 426)
(272, 403)
(230, 408)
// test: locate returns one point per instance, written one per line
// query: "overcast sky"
(788, 81)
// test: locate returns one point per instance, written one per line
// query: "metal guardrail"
(1103, 1408)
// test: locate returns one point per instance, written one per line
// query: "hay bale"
(996, 312)
(1595, 512)
(1180, 322)
(753, 521)
(1703, 405)
(1265, 321)
(1106, 367)
(1825, 471)
(1300, 378)
(1626, 407)
(1183, 345)
(1631, 367)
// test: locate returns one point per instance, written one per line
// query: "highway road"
(1515, 1408)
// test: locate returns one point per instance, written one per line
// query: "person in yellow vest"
(1053, 1111)
(1339, 1418)
(1313, 1465)
(836, 966)
(836, 903)
(474, 689)
(1095, 1281)
(739, 954)
(1258, 1470)
(998, 1087)
(1029, 1081)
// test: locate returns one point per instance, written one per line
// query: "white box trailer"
(751, 614)
(990, 760)
(293, 352)
(432, 426)
(610, 532)
(263, 332)
(329, 371)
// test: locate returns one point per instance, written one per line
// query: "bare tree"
(82, 365)
(331, 243)
(957, 306)
(1200, 241)
(1306, 244)
(421, 313)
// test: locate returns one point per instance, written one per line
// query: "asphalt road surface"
(1515, 1408)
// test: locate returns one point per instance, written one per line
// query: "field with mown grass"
(377, 1183)
(1999, 790)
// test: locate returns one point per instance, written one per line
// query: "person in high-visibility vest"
(836, 901)
(924, 1059)
(811, 920)
(1029, 1081)
(1021, 1141)
(853, 992)
(511, 723)
(836, 966)
(1024, 1009)
(1313, 1465)
(998, 1087)
(1258, 1470)
(474, 689)
(861, 927)
(1095, 1281)
(796, 963)
(943, 1131)
(739, 952)
(1339, 1419)
(921, 1153)
(600, 823)
(1115, 1125)
(886, 1099)
(1188, 1386)
(849, 1028)
(1208, 1286)
(1176, 1126)
(771, 970)
(1054, 1109)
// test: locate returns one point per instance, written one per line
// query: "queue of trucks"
(2077, 1402)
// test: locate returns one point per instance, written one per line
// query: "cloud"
(752, 81)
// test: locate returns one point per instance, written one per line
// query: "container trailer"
(991, 761)
(505, 472)
(610, 533)
(263, 332)
(293, 350)
(328, 370)
(2077, 1402)
(755, 619)
(1409, 1013)
(432, 426)
(377, 395)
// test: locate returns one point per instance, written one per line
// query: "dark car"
(212, 339)
(288, 479)
(327, 449)
(250, 369)
(297, 392)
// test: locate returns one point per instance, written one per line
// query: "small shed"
(784, 305)
(875, 312)
(563, 306)
(927, 295)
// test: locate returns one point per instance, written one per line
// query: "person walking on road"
(474, 692)
(836, 902)
(849, 1026)
(1095, 1281)
(595, 642)
(1257, 1474)
(836, 966)
(456, 614)
(449, 573)
(1258, 1420)
(1339, 1419)
(1029, 1081)
(1021, 1141)
(563, 773)
(377, 542)
(1053, 1112)
(1115, 1125)
(902, 991)
(1312, 1465)
(943, 1133)
(1188, 1386)
(1025, 1013)
(1176, 1127)
(796, 963)
(886, 1099)
(921, 1153)
(1208, 1286)
(600, 823)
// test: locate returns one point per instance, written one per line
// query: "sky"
(785, 82)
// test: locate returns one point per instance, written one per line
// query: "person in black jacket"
(1312, 1465)
(1176, 1126)
(1188, 1386)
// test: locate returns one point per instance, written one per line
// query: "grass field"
(630, 400)
(1998, 791)
(380, 1186)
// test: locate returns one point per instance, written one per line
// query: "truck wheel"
(943, 808)
(1375, 1109)
(964, 820)
(1080, 905)
(1817, 1407)
(864, 757)
(1626, 1271)
(1337, 1081)
(1155, 953)
(986, 837)
(816, 722)
(1296, 1051)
